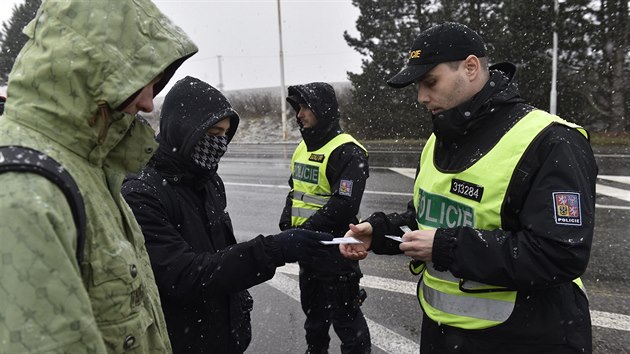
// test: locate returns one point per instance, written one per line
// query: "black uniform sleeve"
(285, 217)
(347, 173)
(389, 224)
(181, 272)
(535, 248)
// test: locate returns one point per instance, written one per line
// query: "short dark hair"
(455, 64)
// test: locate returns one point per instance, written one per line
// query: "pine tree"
(593, 62)
(607, 75)
(574, 29)
(11, 37)
(387, 29)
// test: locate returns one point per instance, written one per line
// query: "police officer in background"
(503, 209)
(329, 170)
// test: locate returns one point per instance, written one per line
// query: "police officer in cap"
(503, 209)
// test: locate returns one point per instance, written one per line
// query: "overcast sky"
(245, 34)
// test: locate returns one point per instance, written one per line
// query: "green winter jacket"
(83, 59)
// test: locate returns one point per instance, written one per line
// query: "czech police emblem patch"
(345, 187)
(567, 208)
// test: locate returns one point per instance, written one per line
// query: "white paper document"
(338, 240)
(405, 228)
(395, 238)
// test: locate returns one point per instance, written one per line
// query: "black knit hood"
(321, 99)
(189, 109)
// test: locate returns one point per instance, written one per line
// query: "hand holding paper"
(357, 251)
(341, 240)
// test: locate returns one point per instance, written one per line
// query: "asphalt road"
(256, 182)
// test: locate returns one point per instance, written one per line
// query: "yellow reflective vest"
(473, 198)
(311, 188)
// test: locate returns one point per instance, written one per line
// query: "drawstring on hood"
(102, 112)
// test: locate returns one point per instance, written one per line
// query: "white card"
(338, 240)
(395, 238)
(405, 228)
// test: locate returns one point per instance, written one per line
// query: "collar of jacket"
(177, 171)
(315, 138)
(463, 119)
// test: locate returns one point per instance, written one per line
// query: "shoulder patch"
(316, 157)
(567, 208)
(345, 187)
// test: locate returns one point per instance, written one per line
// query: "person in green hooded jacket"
(76, 86)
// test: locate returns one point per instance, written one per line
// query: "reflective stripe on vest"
(477, 203)
(305, 213)
(302, 213)
(313, 199)
(311, 188)
(466, 309)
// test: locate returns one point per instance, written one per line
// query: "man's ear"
(472, 67)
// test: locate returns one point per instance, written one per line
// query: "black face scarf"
(208, 151)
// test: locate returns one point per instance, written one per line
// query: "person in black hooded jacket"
(503, 209)
(329, 170)
(179, 201)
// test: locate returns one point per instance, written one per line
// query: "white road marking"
(408, 172)
(620, 179)
(381, 336)
(389, 193)
(600, 188)
(616, 156)
(598, 318)
(613, 192)
(610, 320)
(612, 207)
(283, 186)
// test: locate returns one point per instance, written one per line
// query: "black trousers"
(334, 300)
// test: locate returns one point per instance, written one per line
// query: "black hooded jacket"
(200, 271)
(531, 254)
(347, 162)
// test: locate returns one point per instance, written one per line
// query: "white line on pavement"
(285, 186)
(613, 192)
(612, 207)
(620, 179)
(407, 172)
(610, 320)
(598, 318)
(383, 193)
(601, 189)
(381, 336)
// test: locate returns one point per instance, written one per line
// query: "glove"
(302, 245)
